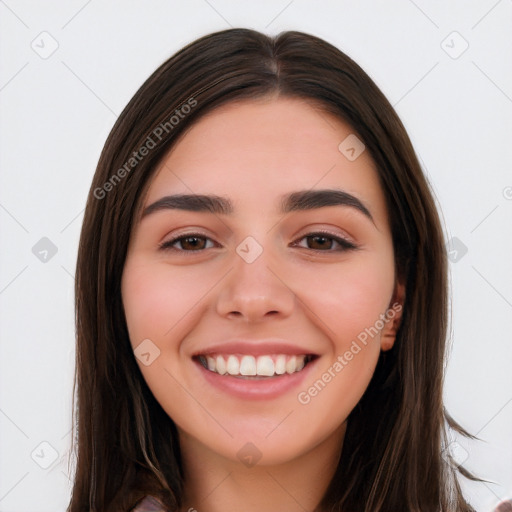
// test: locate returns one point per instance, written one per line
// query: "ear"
(393, 318)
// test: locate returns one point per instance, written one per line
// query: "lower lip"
(256, 389)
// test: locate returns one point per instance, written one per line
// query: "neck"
(216, 484)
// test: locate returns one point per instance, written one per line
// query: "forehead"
(256, 151)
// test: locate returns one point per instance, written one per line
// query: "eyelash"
(345, 244)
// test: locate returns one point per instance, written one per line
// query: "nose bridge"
(254, 289)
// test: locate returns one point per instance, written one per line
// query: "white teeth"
(265, 366)
(291, 364)
(233, 365)
(247, 366)
(211, 363)
(221, 365)
(280, 364)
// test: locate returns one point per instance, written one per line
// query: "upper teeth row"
(250, 365)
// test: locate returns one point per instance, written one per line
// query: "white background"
(56, 112)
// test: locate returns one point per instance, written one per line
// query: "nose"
(255, 291)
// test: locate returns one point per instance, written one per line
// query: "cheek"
(350, 298)
(160, 304)
(348, 303)
(157, 298)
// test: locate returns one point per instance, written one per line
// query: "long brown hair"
(126, 445)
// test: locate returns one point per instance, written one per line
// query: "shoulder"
(149, 504)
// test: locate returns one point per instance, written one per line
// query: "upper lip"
(254, 348)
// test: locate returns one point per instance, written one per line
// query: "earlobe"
(393, 318)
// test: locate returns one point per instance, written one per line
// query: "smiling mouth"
(254, 367)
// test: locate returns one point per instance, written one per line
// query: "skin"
(253, 153)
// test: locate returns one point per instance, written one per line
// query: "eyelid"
(167, 244)
(335, 232)
(346, 242)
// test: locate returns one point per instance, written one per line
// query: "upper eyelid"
(175, 239)
(199, 231)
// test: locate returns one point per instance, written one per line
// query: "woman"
(261, 294)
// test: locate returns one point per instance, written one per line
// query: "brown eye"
(187, 243)
(319, 242)
(326, 243)
(192, 243)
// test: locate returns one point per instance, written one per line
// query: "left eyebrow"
(296, 201)
(311, 199)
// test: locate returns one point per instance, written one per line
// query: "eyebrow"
(296, 201)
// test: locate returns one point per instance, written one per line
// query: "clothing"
(149, 504)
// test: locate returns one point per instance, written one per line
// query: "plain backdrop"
(67, 71)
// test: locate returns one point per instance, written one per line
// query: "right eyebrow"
(191, 203)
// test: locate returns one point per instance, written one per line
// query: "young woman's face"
(257, 312)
